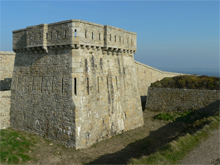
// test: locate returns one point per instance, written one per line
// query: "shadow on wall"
(5, 84)
(158, 138)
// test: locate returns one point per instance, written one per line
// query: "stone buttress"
(74, 82)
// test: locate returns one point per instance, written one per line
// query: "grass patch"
(172, 116)
(175, 150)
(15, 147)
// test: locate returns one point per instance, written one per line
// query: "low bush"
(189, 82)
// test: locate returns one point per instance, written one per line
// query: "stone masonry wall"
(168, 99)
(6, 64)
(41, 95)
(74, 82)
(6, 69)
(147, 75)
(5, 109)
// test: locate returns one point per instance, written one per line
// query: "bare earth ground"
(116, 150)
(208, 152)
(121, 148)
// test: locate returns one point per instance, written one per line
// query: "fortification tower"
(74, 82)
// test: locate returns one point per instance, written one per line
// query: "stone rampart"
(147, 75)
(5, 97)
(6, 69)
(169, 99)
(6, 64)
(74, 82)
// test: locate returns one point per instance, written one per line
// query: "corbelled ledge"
(74, 34)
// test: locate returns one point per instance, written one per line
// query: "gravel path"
(208, 152)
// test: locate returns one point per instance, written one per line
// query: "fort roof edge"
(73, 20)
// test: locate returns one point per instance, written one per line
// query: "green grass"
(173, 116)
(175, 150)
(14, 146)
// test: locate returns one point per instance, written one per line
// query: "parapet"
(76, 34)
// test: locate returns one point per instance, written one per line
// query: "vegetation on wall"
(189, 82)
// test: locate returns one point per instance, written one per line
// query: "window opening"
(99, 37)
(65, 33)
(115, 38)
(110, 37)
(92, 35)
(116, 82)
(88, 86)
(62, 85)
(85, 34)
(98, 83)
(46, 35)
(75, 89)
(75, 32)
(104, 37)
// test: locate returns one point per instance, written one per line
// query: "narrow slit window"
(65, 33)
(42, 84)
(110, 37)
(62, 85)
(115, 38)
(98, 84)
(92, 35)
(88, 86)
(107, 82)
(46, 35)
(99, 37)
(85, 34)
(104, 37)
(116, 82)
(75, 32)
(75, 89)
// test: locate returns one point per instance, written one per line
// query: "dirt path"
(208, 152)
(119, 149)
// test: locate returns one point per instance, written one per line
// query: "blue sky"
(171, 34)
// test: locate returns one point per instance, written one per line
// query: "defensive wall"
(174, 99)
(6, 68)
(147, 75)
(76, 82)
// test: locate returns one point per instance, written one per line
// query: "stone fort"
(74, 82)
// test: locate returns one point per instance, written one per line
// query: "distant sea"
(201, 71)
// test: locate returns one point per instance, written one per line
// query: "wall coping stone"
(147, 66)
(7, 53)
